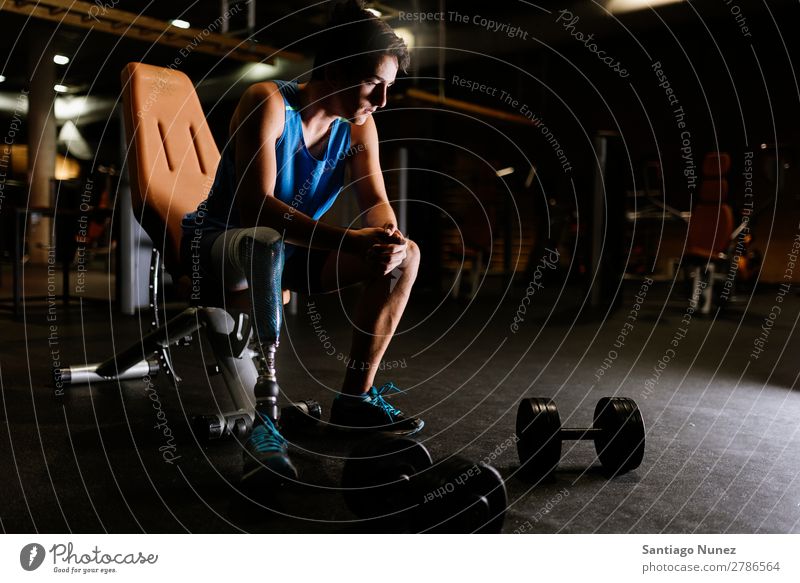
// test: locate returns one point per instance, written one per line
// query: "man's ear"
(340, 75)
(333, 74)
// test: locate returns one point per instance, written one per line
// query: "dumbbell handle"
(574, 433)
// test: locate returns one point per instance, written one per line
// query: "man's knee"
(240, 254)
(413, 256)
(249, 242)
(263, 235)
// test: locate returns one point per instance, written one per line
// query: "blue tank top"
(303, 182)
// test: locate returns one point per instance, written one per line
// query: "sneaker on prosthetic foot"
(266, 458)
(370, 412)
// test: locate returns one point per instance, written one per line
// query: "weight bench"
(172, 163)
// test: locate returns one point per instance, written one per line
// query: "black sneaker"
(266, 459)
(371, 413)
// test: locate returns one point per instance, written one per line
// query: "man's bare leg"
(377, 313)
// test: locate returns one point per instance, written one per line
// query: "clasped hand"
(384, 247)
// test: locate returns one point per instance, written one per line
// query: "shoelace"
(378, 400)
(267, 438)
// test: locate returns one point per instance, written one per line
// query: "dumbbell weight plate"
(207, 428)
(210, 428)
(620, 446)
(377, 475)
(300, 415)
(539, 444)
(459, 496)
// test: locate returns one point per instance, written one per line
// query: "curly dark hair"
(355, 40)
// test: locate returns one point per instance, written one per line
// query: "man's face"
(366, 96)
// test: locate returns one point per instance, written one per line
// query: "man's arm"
(372, 199)
(367, 177)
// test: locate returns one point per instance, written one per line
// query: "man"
(282, 169)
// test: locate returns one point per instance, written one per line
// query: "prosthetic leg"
(256, 254)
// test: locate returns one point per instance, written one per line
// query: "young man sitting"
(280, 172)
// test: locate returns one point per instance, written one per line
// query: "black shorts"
(302, 271)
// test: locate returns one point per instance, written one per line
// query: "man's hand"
(384, 248)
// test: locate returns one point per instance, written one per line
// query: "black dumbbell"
(460, 496)
(297, 415)
(617, 431)
(395, 478)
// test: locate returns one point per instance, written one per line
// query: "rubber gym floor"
(722, 454)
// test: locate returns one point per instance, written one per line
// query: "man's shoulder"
(261, 103)
(263, 92)
(364, 133)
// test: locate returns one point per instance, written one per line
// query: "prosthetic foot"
(266, 455)
(266, 458)
(257, 255)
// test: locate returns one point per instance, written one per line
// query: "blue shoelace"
(266, 438)
(376, 398)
